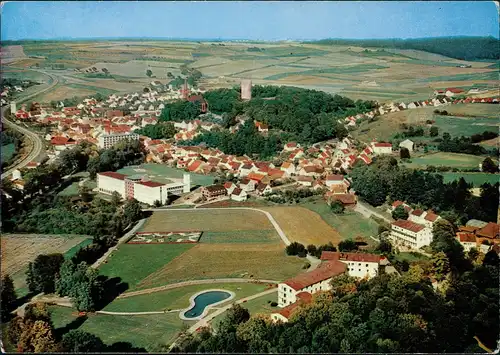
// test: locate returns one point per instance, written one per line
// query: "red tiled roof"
(291, 144)
(335, 178)
(59, 140)
(361, 257)
(304, 280)
(194, 165)
(491, 230)
(304, 296)
(465, 237)
(113, 175)
(228, 184)
(256, 177)
(417, 212)
(346, 199)
(397, 203)
(408, 225)
(431, 216)
(383, 145)
(455, 90)
(469, 229)
(305, 178)
(150, 183)
(237, 191)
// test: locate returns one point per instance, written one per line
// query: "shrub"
(274, 304)
(306, 265)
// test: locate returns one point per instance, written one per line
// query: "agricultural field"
(165, 174)
(304, 226)
(453, 160)
(208, 261)
(178, 298)
(248, 236)
(477, 179)
(397, 74)
(206, 220)
(32, 245)
(466, 126)
(127, 262)
(349, 225)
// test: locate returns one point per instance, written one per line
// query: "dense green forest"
(465, 48)
(308, 116)
(385, 179)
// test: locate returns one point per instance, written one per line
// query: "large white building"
(410, 234)
(140, 187)
(381, 148)
(299, 290)
(106, 141)
(427, 218)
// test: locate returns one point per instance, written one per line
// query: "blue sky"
(247, 20)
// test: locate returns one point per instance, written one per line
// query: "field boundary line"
(136, 313)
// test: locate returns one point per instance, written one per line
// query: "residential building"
(381, 148)
(398, 203)
(410, 234)
(305, 180)
(427, 218)
(238, 195)
(360, 265)
(467, 240)
(288, 167)
(213, 191)
(106, 141)
(332, 180)
(450, 92)
(408, 144)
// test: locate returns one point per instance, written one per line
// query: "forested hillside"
(465, 48)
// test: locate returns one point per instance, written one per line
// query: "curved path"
(193, 282)
(37, 144)
(312, 260)
(136, 313)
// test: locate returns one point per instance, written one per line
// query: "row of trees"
(296, 248)
(122, 154)
(385, 180)
(461, 144)
(292, 196)
(161, 130)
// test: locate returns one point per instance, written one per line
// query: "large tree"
(42, 273)
(400, 213)
(78, 341)
(7, 296)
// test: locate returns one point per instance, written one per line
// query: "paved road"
(122, 240)
(367, 211)
(37, 144)
(194, 282)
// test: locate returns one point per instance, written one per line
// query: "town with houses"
(329, 237)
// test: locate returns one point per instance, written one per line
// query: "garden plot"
(166, 237)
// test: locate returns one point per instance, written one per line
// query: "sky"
(280, 20)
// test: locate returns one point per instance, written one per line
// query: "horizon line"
(221, 39)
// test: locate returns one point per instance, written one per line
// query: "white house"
(334, 180)
(248, 185)
(408, 144)
(427, 218)
(305, 180)
(358, 264)
(410, 234)
(238, 195)
(288, 168)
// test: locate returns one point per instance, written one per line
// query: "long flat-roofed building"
(139, 187)
(108, 140)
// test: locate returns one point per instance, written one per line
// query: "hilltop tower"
(187, 183)
(246, 89)
(13, 107)
(185, 90)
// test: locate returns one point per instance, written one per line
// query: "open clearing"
(454, 160)
(178, 298)
(128, 262)
(210, 261)
(249, 236)
(18, 250)
(223, 220)
(350, 224)
(304, 226)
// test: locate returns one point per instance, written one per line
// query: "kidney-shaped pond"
(201, 300)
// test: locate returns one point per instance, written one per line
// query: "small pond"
(204, 299)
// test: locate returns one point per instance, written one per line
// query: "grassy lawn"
(350, 224)
(410, 256)
(256, 236)
(163, 173)
(178, 298)
(62, 316)
(454, 160)
(132, 263)
(211, 261)
(477, 179)
(7, 151)
(465, 126)
(71, 252)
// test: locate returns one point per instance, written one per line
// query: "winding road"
(34, 139)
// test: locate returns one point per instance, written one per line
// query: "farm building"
(408, 144)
